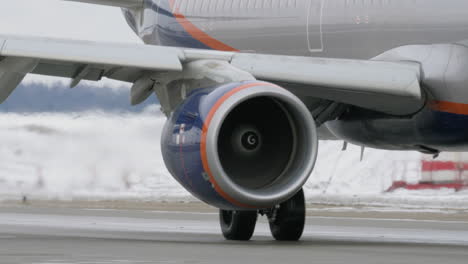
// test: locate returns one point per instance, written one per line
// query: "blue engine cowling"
(245, 145)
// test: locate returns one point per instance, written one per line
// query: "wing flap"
(392, 87)
(12, 72)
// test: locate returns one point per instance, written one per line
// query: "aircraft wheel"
(237, 225)
(288, 219)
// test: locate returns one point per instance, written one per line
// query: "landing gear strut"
(286, 220)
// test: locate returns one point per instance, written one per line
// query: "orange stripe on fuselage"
(203, 152)
(449, 107)
(197, 33)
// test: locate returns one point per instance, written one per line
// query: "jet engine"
(244, 145)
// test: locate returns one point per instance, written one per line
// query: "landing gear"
(237, 225)
(287, 220)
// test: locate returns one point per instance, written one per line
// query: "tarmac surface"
(34, 234)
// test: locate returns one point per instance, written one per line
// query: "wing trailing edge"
(118, 3)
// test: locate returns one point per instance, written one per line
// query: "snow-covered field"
(102, 156)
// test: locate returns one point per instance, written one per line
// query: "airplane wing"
(118, 3)
(390, 87)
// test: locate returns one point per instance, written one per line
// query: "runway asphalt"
(31, 234)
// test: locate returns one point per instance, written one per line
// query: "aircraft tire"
(237, 225)
(288, 220)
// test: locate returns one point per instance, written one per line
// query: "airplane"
(250, 87)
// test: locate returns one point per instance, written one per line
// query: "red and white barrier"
(449, 170)
(443, 171)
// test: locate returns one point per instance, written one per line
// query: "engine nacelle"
(246, 145)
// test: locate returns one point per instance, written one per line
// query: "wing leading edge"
(390, 87)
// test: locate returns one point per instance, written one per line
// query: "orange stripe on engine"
(197, 33)
(203, 152)
(449, 107)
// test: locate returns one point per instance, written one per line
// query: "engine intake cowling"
(246, 145)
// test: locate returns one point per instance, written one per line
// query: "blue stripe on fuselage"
(448, 129)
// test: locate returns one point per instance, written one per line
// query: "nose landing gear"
(286, 220)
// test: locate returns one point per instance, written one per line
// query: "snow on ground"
(62, 156)
(101, 156)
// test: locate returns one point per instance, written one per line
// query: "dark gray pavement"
(60, 235)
